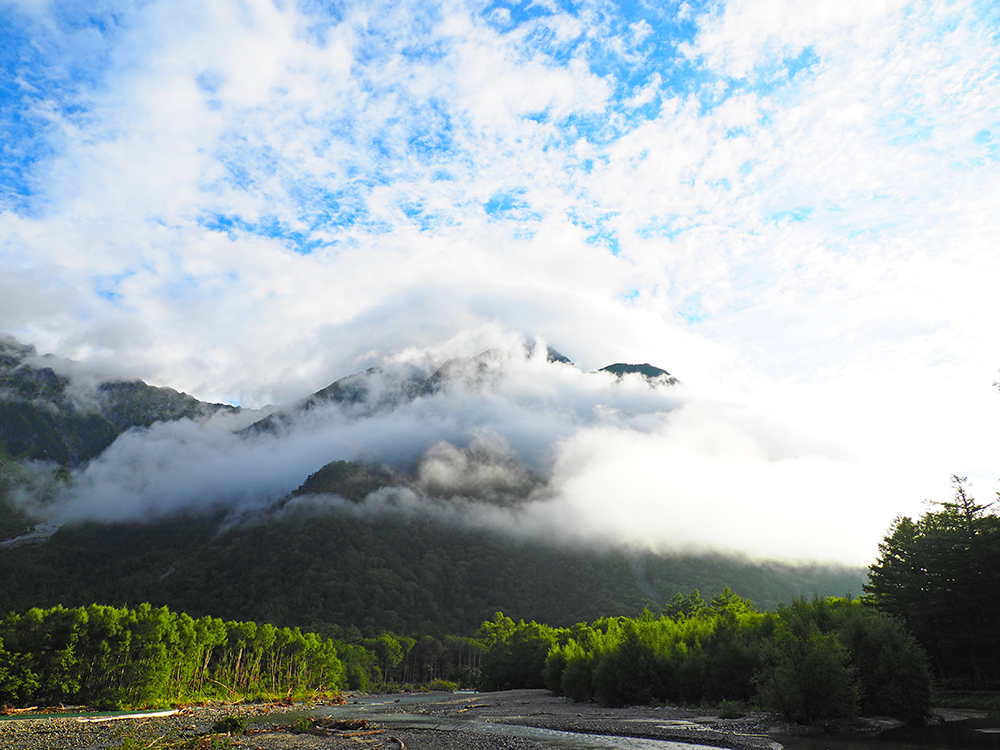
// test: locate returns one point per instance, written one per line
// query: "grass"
(983, 700)
(731, 710)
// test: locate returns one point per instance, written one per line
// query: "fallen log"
(11, 711)
(139, 715)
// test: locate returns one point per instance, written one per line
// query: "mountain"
(43, 417)
(411, 548)
(317, 558)
(377, 389)
(648, 371)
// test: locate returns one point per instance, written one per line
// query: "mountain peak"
(648, 371)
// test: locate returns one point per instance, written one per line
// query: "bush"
(555, 664)
(892, 669)
(807, 677)
(301, 725)
(230, 725)
(515, 654)
(730, 710)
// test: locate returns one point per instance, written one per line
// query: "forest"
(121, 657)
(396, 573)
(810, 661)
(829, 658)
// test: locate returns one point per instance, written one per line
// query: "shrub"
(301, 725)
(442, 685)
(632, 674)
(807, 677)
(892, 669)
(555, 665)
(730, 710)
(230, 725)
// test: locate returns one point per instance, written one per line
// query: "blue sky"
(791, 206)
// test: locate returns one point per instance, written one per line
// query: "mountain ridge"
(41, 418)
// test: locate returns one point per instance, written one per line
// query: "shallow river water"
(969, 734)
(374, 709)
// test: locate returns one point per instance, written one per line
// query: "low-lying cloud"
(516, 443)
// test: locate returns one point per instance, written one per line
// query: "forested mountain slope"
(407, 545)
(43, 418)
(325, 562)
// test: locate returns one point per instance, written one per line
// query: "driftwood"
(141, 715)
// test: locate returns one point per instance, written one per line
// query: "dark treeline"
(941, 575)
(398, 574)
(810, 661)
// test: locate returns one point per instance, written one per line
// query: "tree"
(940, 574)
(808, 676)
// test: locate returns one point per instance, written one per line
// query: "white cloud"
(611, 462)
(248, 200)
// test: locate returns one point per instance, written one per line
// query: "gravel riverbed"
(467, 721)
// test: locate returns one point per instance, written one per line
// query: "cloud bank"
(520, 445)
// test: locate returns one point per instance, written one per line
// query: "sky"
(789, 206)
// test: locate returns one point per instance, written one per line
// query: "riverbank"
(443, 721)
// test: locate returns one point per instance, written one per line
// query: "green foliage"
(515, 655)
(807, 676)
(810, 661)
(940, 575)
(874, 665)
(637, 670)
(120, 657)
(442, 685)
(230, 725)
(300, 725)
(731, 710)
(983, 700)
(144, 742)
(892, 670)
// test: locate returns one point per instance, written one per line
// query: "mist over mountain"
(47, 414)
(414, 495)
(357, 545)
(381, 389)
(515, 440)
